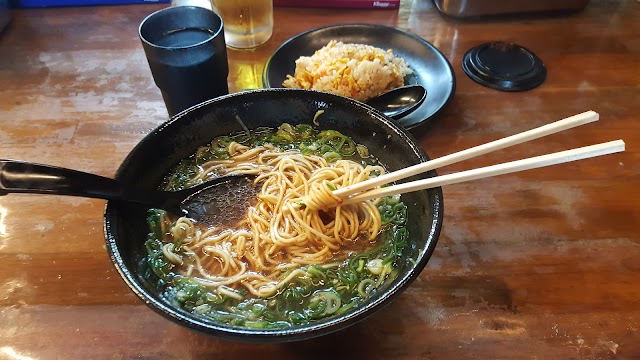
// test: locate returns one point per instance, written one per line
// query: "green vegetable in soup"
(317, 291)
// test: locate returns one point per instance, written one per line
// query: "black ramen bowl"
(126, 228)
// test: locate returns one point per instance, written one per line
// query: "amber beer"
(247, 23)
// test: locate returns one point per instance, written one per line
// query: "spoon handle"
(25, 177)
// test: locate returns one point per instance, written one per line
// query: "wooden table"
(543, 264)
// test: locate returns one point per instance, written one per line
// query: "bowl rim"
(295, 333)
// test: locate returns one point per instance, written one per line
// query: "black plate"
(431, 68)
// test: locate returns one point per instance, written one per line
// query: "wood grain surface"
(543, 264)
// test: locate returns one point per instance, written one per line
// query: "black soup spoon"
(400, 101)
(221, 200)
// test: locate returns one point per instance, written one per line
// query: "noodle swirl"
(296, 221)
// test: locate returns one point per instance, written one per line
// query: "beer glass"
(247, 23)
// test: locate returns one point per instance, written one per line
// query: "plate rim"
(427, 44)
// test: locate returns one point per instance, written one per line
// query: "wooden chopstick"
(560, 125)
(493, 170)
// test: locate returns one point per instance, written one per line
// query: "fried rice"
(357, 71)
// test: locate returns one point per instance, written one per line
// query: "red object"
(370, 4)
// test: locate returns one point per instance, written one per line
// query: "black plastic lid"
(503, 66)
